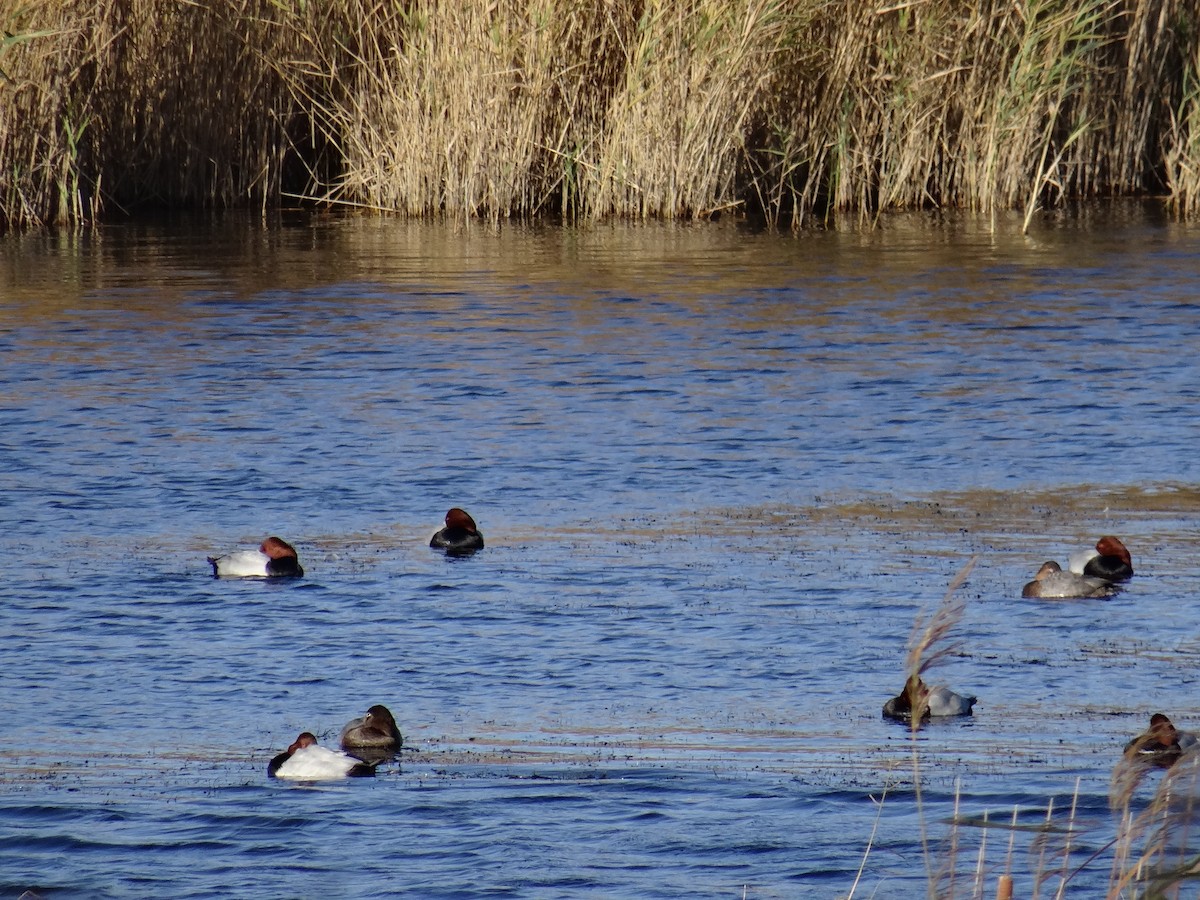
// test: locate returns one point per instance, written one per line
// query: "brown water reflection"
(157, 264)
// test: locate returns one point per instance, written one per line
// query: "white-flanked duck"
(1109, 560)
(275, 558)
(306, 760)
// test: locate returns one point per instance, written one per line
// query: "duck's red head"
(460, 518)
(278, 548)
(1112, 546)
(1162, 729)
(306, 739)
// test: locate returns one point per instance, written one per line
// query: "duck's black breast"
(457, 540)
(275, 763)
(1110, 568)
(285, 567)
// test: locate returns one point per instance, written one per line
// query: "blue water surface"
(720, 473)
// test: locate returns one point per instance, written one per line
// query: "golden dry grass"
(793, 109)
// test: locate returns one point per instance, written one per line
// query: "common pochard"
(940, 701)
(275, 558)
(1109, 560)
(460, 537)
(1162, 743)
(373, 737)
(1052, 583)
(306, 760)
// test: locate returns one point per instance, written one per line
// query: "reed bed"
(795, 110)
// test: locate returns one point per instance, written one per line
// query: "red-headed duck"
(373, 737)
(938, 701)
(276, 558)
(460, 537)
(1110, 560)
(305, 760)
(1162, 743)
(1052, 583)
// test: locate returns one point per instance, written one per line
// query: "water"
(720, 473)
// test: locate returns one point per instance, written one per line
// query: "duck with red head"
(275, 558)
(936, 701)
(373, 737)
(305, 760)
(1052, 583)
(460, 536)
(1162, 744)
(1110, 560)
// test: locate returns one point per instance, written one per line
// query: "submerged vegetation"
(792, 109)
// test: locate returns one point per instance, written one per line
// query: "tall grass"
(792, 109)
(109, 105)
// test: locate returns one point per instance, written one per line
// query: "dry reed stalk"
(980, 868)
(1170, 855)
(1039, 868)
(598, 108)
(1065, 874)
(947, 882)
(870, 841)
(454, 108)
(695, 76)
(1182, 149)
(113, 104)
(1012, 840)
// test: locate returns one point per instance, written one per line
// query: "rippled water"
(719, 472)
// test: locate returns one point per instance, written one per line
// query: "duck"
(1161, 744)
(940, 701)
(275, 558)
(373, 737)
(1052, 583)
(306, 760)
(460, 537)
(1110, 560)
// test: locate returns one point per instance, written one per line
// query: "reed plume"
(927, 645)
